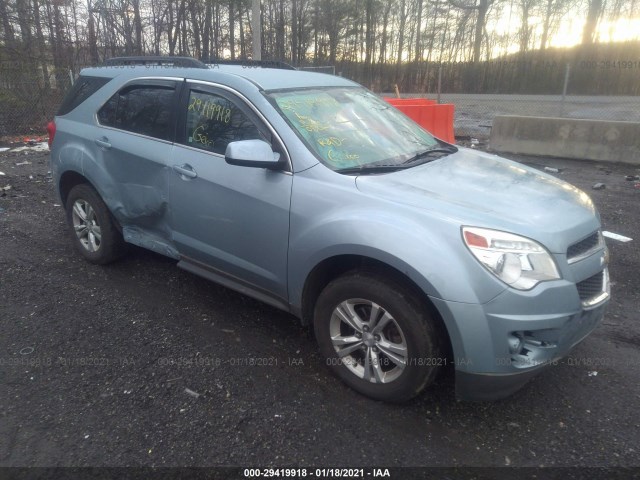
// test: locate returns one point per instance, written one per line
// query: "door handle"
(185, 170)
(103, 142)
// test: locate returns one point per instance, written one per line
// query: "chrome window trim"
(136, 134)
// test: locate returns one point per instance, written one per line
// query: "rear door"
(229, 222)
(134, 138)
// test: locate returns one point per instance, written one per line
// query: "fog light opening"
(516, 343)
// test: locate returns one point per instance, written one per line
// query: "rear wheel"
(93, 229)
(378, 336)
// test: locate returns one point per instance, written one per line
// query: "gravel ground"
(142, 364)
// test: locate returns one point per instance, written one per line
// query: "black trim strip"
(230, 281)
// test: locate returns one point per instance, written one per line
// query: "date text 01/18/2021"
(316, 472)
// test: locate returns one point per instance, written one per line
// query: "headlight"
(518, 261)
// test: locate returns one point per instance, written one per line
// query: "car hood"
(478, 189)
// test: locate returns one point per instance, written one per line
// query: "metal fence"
(331, 69)
(474, 112)
(27, 106)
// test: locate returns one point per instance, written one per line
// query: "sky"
(569, 33)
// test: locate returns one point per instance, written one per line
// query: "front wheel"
(378, 336)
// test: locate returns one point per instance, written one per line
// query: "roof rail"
(251, 63)
(186, 62)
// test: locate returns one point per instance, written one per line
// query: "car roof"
(263, 78)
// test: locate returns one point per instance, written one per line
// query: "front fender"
(425, 256)
(330, 217)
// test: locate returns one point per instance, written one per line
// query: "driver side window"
(214, 121)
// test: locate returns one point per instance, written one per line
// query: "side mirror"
(252, 153)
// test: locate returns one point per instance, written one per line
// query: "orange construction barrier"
(437, 119)
(409, 101)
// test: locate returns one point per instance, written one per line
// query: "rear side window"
(143, 109)
(81, 90)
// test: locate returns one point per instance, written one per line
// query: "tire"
(402, 321)
(94, 232)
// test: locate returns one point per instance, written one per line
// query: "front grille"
(591, 287)
(583, 246)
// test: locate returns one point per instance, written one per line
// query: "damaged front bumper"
(496, 351)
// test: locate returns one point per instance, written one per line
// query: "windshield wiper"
(431, 152)
(371, 169)
(412, 162)
(363, 169)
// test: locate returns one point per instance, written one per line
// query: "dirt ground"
(142, 364)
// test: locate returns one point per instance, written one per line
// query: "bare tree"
(377, 42)
(595, 9)
(526, 30)
(481, 8)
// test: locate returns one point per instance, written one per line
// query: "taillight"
(51, 130)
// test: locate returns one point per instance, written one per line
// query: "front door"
(231, 220)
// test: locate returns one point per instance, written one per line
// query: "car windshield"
(351, 129)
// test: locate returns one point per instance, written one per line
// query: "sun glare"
(568, 34)
(621, 30)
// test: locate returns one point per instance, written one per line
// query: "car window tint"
(214, 121)
(107, 114)
(82, 89)
(143, 109)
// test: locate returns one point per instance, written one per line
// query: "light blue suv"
(310, 193)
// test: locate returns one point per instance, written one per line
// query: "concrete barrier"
(567, 138)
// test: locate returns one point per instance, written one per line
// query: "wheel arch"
(333, 267)
(68, 180)
(72, 178)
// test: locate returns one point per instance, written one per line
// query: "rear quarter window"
(82, 89)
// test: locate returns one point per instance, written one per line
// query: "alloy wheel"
(85, 225)
(368, 340)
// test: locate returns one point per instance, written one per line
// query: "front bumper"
(487, 387)
(496, 351)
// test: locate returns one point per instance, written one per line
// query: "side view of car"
(310, 193)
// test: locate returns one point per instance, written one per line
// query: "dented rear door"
(136, 129)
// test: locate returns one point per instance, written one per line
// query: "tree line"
(416, 44)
